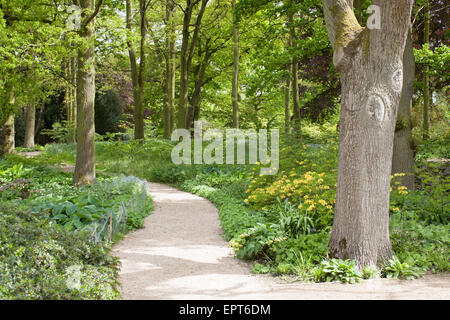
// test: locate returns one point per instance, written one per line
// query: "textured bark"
(170, 70)
(7, 131)
(7, 143)
(235, 82)
(403, 158)
(371, 68)
(30, 120)
(85, 162)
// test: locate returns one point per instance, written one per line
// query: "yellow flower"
(311, 207)
(323, 202)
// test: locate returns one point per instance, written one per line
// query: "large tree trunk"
(170, 70)
(85, 162)
(30, 120)
(371, 68)
(7, 142)
(403, 159)
(235, 82)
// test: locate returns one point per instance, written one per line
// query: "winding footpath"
(181, 254)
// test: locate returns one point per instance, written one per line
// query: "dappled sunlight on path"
(181, 254)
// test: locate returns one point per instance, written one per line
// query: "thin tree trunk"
(85, 162)
(39, 122)
(186, 55)
(235, 82)
(426, 76)
(295, 91)
(403, 159)
(287, 101)
(139, 105)
(30, 119)
(371, 68)
(170, 70)
(73, 101)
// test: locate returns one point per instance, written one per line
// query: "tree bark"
(186, 55)
(85, 162)
(295, 91)
(287, 101)
(7, 141)
(30, 120)
(235, 81)
(426, 76)
(403, 159)
(7, 130)
(371, 68)
(170, 70)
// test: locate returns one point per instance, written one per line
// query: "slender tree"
(187, 52)
(370, 62)
(294, 61)
(170, 56)
(426, 75)
(235, 82)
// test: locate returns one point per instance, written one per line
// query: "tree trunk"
(371, 68)
(170, 70)
(184, 70)
(403, 159)
(186, 55)
(7, 130)
(30, 116)
(85, 162)
(7, 142)
(287, 101)
(73, 101)
(295, 93)
(426, 76)
(235, 82)
(39, 122)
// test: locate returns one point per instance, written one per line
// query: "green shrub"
(108, 112)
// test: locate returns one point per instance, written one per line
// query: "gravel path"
(181, 255)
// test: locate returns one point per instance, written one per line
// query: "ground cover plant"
(53, 231)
